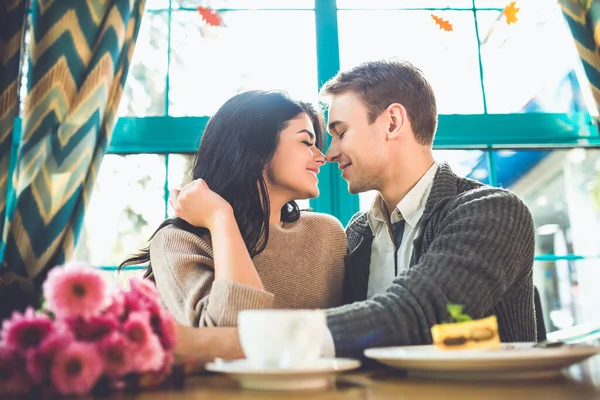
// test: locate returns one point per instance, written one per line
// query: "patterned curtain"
(80, 53)
(583, 17)
(12, 28)
(12, 18)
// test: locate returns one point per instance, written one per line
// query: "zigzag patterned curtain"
(583, 17)
(12, 28)
(12, 18)
(79, 58)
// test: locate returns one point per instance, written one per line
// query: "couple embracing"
(240, 242)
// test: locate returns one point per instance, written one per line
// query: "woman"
(259, 152)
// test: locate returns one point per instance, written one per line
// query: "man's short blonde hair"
(381, 83)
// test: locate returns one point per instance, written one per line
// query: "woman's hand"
(196, 204)
(200, 206)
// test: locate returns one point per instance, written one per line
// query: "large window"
(182, 67)
(532, 65)
(514, 102)
(258, 50)
(562, 190)
(448, 59)
(127, 205)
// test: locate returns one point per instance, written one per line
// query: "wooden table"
(579, 382)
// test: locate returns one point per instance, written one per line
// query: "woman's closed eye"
(309, 144)
(341, 135)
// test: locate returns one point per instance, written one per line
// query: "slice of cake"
(465, 333)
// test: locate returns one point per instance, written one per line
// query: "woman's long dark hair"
(239, 141)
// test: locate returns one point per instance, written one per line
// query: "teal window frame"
(476, 131)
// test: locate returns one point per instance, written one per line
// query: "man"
(431, 238)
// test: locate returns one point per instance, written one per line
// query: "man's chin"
(356, 189)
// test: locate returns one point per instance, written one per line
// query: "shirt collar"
(410, 208)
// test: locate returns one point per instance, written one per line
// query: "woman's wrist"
(206, 344)
(220, 218)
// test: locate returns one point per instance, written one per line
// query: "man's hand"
(199, 206)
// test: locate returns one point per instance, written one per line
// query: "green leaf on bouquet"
(44, 310)
(42, 304)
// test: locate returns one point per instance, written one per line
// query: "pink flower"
(150, 379)
(165, 327)
(116, 307)
(73, 291)
(142, 296)
(134, 302)
(137, 328)
(148, 352)
(92, 329)
(150, 357)
(25, 331)
(39, 360)
(76, 368)
(13, 378)
(168, 361)
(143, 289)
(117, 355)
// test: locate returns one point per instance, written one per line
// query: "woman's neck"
(276, 203)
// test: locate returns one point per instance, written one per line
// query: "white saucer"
(511, 361)
(317, 376)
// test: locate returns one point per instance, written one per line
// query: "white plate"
(511, 361)
(317, 376)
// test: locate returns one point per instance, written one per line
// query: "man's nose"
(333, 154)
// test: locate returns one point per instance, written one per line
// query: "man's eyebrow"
(333, 125)
(310, 134)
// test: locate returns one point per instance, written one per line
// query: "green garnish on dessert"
(465, 333)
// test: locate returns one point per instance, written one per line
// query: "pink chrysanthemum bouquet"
(86, 336)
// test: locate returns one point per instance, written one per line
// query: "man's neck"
(402, 179)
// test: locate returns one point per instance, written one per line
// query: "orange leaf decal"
(510, 12)
(443, 24)
(210, 16)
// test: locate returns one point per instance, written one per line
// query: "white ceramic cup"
(282, 338)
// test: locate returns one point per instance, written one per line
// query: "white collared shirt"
(383, 251)
(382, 267)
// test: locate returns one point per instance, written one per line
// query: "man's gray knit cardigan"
(475, 247)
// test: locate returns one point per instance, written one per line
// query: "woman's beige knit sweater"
(302, 267)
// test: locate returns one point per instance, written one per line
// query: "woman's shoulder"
(319, 218)
(174, 236)
(320, 223)
(323, 237)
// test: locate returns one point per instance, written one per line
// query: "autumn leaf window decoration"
(509, 12)
(443, 24)
(211, 17)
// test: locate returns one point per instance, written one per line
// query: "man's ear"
(396, 120)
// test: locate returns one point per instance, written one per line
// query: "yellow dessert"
(466, 333)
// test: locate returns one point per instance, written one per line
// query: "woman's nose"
(319, 156)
